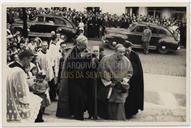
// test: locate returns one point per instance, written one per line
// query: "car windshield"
(68, 24)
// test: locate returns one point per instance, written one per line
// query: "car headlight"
(127, 41)
(114, 43)
(124, 37)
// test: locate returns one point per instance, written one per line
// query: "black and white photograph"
(95, 64)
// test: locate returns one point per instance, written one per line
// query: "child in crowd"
(40, 88)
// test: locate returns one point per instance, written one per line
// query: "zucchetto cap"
(81, 39)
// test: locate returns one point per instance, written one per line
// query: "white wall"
(112, 8)
(143, 11)
(118, 9)
(166, 13)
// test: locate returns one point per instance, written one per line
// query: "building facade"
(178, 13)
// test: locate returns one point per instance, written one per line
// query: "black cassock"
(75, 88)
(91, 75)
(135, 100)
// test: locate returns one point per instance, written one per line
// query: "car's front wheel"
(162, 49)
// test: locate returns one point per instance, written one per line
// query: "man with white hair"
(72, 95)
(115, 71)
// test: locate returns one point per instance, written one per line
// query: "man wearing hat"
(135, 100)
(116, 70)
(81, 25)
(146, 37)
(72, 96)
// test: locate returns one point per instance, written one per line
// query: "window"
(59, 21)
(151, 13)
(139, 29)
(154, 30)
(40, 19)
(93, 9)
(50, 20)
(161, 31)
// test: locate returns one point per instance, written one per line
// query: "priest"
(115, 71)
(72, 101)
(135, 100)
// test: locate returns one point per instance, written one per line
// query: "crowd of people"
(79, 79)
(95, 22)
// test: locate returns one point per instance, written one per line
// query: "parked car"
(162, 39)
(44, 24)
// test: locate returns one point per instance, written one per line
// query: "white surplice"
(22, 105)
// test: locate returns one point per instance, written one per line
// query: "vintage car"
(162, 39)
(44, 24)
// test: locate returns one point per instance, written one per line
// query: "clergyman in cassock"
(61, 62)
(46, 64)
(22, 105)
(135, 100)
(92, 59)
(115, 71)
(54, 56)
(72, 95)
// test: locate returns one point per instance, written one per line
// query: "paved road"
(169, 64)
(164, 101)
